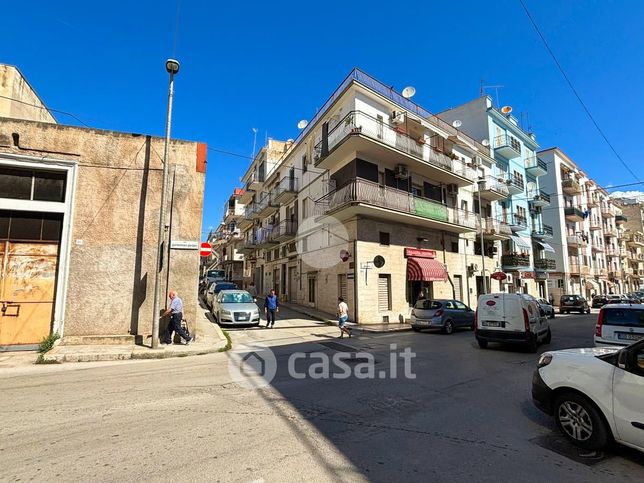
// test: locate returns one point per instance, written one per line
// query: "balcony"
(573, 214)
(517, 222)
(597, 248)
(515, 261)
(507, 146)
(602, 272)
(623, 253)
(592, 201)
(515, 185)
(542, 233)
(573, 266)
(584, 270)
(284, 231)
(610, 232)
(611, 252)
(620, 219)
(359, 132)
(250, 212)
(255, 182)
(285, 191)
(266, 206)
(494, 229)
(492, 189)
(576, 241)
(536, 166)
(635, 239)
(540, 199)
(545, 265)
(607, 210)
(366, 198)
(245, 223)
(570, 186)
(595, 224)
(233, 214)
(263, 238)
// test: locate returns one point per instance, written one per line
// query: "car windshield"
(236, 298)
(628, 317)
(216, 274)
(224, 286)
(428, 305)
(567, 298)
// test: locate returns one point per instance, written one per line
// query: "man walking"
(271, 307)
(343, 317)
(175, 311)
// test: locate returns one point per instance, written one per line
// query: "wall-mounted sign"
(419, 253)
(184, 245)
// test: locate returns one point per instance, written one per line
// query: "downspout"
(445, 263)
(355, 279)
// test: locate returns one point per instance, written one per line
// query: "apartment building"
(227, 239)
(375, 201)
(585, 228)
(527, 255)
(632, 243)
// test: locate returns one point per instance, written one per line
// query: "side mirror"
(621, 359)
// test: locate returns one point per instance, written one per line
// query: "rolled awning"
(546, 246)
(521, 243)
(590, 283)
(425, 270)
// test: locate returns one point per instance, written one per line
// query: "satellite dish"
(457, 123)
(302, 124)
(485, 142)
(506, 110)
(408, 92)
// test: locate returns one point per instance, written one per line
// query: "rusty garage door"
(29, 248)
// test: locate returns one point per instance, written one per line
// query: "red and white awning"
(425, 270)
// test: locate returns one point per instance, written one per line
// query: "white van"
(510, 318)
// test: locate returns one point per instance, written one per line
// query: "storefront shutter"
(384, 297)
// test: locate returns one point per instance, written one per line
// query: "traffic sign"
(500, 276)
(205, 250)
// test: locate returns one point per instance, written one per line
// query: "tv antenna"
(496, 91)
(252, 155)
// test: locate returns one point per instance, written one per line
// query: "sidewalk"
(332, 320)
(208, 338)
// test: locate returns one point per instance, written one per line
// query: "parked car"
(442, 314)
(619, 324)
(599, 301)
(573, 303)
(214, 288)
(547, 308)
(634, 298)
(235, 307)
(511, 318)
(595, 395)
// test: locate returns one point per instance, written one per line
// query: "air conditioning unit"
(452, 189)
(473, 267)
(477, 161)
(402, 172)
(397, 118)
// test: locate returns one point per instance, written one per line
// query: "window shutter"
(384, 298)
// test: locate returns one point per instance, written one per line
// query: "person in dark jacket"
(271, 307)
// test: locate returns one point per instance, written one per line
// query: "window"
(459, 306)
(458, 286)
(417, 190)
(28, 184)
(379, 127)
(305, 207)
(304, 164)
(342, 286)
(454, 247)
(312, 290)
(381, 178)
(23, 225)
(384, 292)
(384, 238)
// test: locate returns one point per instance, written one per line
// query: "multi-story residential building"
(585, 231)
(376, 201)
(632, 222)
(526, 254)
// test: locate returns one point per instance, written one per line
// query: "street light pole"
(172, 67)
(478, 183)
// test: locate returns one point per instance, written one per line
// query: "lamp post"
(172, 67)
(478, 184)
(579, 258)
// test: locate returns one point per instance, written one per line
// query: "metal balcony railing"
(362, 191)
(570, 185)
(541, 197)
(536, 164)
(545, 264)
(515, 185)
(357, 122)
(490, 183)
(544, 231)
(507, 140)
(573, 212)
(515, 260)
(492, 226)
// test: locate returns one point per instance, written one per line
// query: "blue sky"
(269, 64)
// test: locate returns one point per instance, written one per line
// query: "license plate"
(242, 317)
(489, 323)
(422, 322)
(622, 335)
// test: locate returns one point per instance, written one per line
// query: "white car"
(619, 324)
(596, 395)
(235, 307)
(511, 318)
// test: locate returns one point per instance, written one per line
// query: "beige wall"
(23, 102)
(115, 222)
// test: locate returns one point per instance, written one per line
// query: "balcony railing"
(619, 219)
(359, 123)
(490, 184)
(515, 185)
(544, 232)
(517, 222)
(573, 213)
(573, 265)
(570, 186)
(607, 210)
(610, 232)
(612, 252)
(370, 193)
(507, 145)
(592, 201)
(492, 226)
(595, 224)
(545, 264)
(536, 166)
(540, 198)
(284, 230)
(575, 240)
(515, 260)
(285, 190)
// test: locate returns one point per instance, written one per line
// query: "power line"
(572, 87)
(46, 108)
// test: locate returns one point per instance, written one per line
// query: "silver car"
(235, 307)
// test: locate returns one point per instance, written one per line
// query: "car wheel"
(588, 311)
(552, 315)
(581, 422)
(416, 329)
(482, 343)
(548, 337)
(449, 327)
(533, 345)
(562, 311)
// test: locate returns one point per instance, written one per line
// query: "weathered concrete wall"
(115, 222)
(23, 102)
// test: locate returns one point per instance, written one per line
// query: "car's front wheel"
(482, 343)
(581, 422)
(548, 337)
(449, 327)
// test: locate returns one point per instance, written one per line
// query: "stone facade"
(18, 100)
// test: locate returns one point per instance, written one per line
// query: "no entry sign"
(500, 276)
(205, 250)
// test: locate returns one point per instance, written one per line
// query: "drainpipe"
(355, 280)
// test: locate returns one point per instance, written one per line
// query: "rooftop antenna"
(496, 90)
(252, 155)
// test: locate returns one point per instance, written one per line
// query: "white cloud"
(637, 195)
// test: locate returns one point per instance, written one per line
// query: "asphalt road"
(466, 416)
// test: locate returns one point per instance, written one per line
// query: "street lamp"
(172, 67)
(478, 183)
